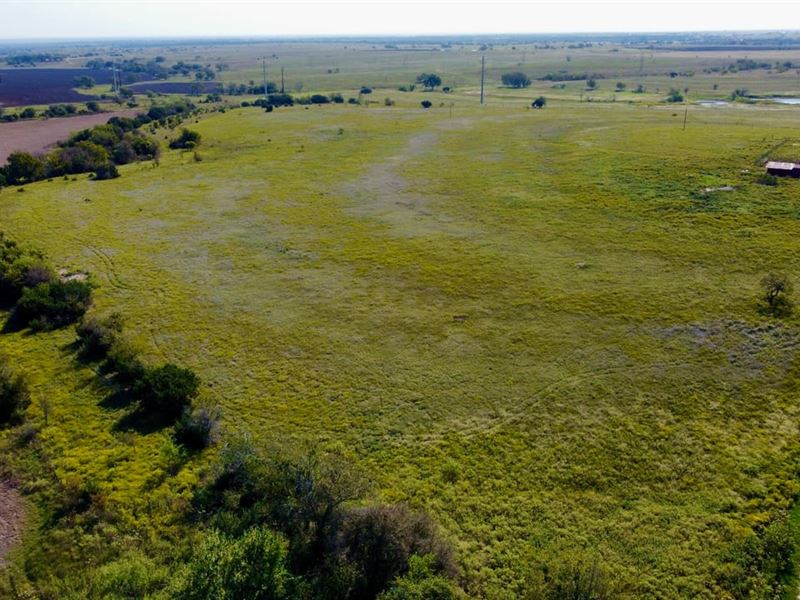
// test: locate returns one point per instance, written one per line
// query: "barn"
(783, 169)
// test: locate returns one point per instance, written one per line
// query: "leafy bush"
(674, 96)
(540, 102)
(426, 103)
(767, 179)
(378, 542)
(21, 269)
(365, 90)
(515, 80)
(14, 395)
(198, 428)
(97, 336)
(166, 390)
(187, 140)
(123, 362)
(319, 99)
(53, 305)
(421, 582)
(130, 576)
(252, 567)
(106, 171)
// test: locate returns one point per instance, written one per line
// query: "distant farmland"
(20, 87)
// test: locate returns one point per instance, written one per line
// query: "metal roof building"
(784, 169)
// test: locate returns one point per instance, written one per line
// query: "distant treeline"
(134, 70)
(567, 76)
(18, 60)
(97, 150)
(748, 64)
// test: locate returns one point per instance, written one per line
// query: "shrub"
(421, 582)
(198, 428)
(774, 301)
(388, 102)
(515, 80)
(674, 96)
(123, 362)
(426, 103)
(130, 576)
(166, 390)
(378, 542)
(365, 90)
(186, 140)
(767, 179)
(28, 113)
(106, 171)
(620, 86)
(97, 336)
(539, 102)
(53, 305)
(591, 83)
(319, 99)
(252, 567)
(337, 98)
(14, 396)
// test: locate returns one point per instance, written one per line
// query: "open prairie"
(539, 326)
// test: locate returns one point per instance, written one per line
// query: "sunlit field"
(540, 326)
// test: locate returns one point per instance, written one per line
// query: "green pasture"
(536, 325)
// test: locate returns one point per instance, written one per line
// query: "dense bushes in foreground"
(338, 549)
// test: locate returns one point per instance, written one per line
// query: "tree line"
(96, 150)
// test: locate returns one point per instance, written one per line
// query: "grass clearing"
(533, 324)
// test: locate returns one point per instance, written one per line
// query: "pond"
(786, 100)
(712, 103)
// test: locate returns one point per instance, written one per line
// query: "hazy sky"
(152, 18)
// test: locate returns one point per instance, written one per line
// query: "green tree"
(430, 80)
(23, 167)
(775, 291)
(515, 80)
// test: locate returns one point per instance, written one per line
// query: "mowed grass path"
(533, 324)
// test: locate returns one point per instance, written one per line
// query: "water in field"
(786, 100)
(713, 103)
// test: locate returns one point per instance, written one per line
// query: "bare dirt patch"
(38, 135)
(12, 516)
(384, 193)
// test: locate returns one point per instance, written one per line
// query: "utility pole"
(483, 74)
(264, 65)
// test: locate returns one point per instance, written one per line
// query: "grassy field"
(536, 325)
